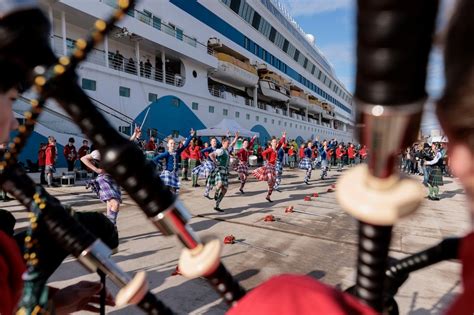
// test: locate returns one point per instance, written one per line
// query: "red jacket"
(243, 154)
(50, 154)
(363, 153)
(151, 146)
(195, 153)
(271, 155)
(340, 152)
(185, 154)
(41, 157)
(301, 152)
(84, 150)
(70, 152)
(351, 152)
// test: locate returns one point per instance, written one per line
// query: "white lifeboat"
(234, 71)
(298, 98)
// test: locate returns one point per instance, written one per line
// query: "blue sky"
(332, 22)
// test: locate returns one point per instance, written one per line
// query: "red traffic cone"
(269, 218)
(229, 239)
(315, 194)
(307, 198)
(176, 272)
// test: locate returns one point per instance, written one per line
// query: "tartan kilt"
(305, 163)
(264, 173)
(219, 175)
(170, 179)
(192, 164)
(435, 177)
(204, 170)
(106, 188)
(242, 168)
(278, 167)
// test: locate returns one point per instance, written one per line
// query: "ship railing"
(122, 64)
(148, 18)
(216, 91)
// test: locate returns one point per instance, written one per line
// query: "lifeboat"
(233, 71)
(328, 112)
(273, 86)
(315, 105)
(298, 98)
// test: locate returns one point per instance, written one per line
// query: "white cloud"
(311, 7)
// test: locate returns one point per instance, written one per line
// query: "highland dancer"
(169, 175)
(279, 167)
(267, 172)
(323, 153)
(340, 151)
(220, 175)
(104, 186)
(307, 162)
(206, 168)
(243, 167)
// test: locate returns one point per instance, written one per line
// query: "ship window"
(273, 121)
(247, 12)
(195, 74)
(90, 85)
(211, 109)
(256, 20)
(152, 97)
(235, 6)
(195, 106)
(305, 63)
(297, 55)
(272, 35)
(265, 119)
(312, 70)
(225, 112)
(285, 45)
(319, 75)
(291, 125)
(237, 114)
(157, 23)
(257, 118)
(279, 123)
(248, 116)
(124, 91)
(285, 123)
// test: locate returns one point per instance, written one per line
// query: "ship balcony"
(123, 64)
(155, 22)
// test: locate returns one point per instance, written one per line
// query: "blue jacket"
(208, 150)
(308, 153)
(172, 160)
(281, 154)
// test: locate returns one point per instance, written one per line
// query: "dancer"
(243, 166)
(279, 167)
(206, 167)
(267, 172)
(322, 152)
(306, 162)
(351, 154)
(172, 158)
(194, 158)
(220, 175)
(104, 186)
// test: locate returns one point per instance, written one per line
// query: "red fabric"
(329, 153)
(185, 154)
(195, 153)
(291, 151)
(41, 157)
(243, 154)
(11, 269)
(363, 153)
(292, 294)
(351, 152)
(50, 154)
(151, 146)
(340, 152)
(83, 151)
(70, 152)
(464, 304)
(301, 153)
(270, 155)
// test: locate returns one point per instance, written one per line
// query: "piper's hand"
(192, 132)
(236, 134)
(80, 297)
(284, 134)
(254, 137)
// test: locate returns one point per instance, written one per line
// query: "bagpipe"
(394, 41)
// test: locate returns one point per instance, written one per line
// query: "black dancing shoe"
(268, 198)
(277, 189)
(208, 197)
(241, 191)
(218, 209)
(306, 182)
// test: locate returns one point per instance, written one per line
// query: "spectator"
(70, 154)
(131, 67)
(148, 67)
(50, 161)
(84, 150)
(41, 162)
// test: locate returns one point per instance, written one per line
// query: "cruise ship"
(172, 65)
